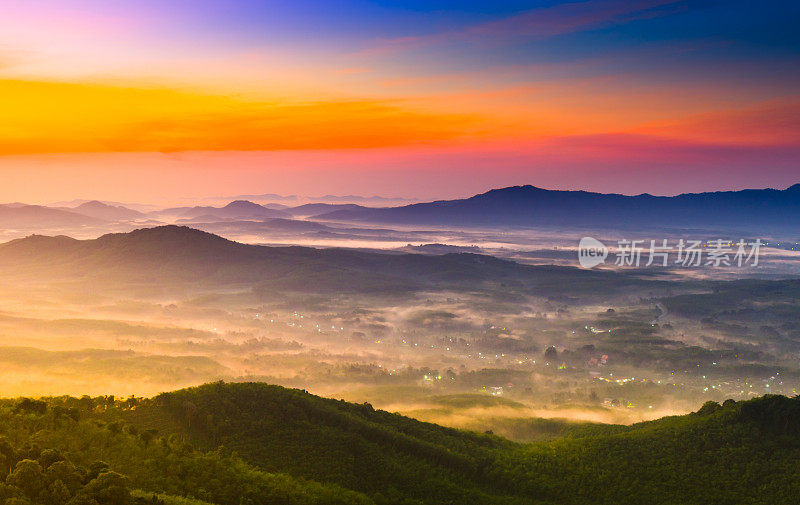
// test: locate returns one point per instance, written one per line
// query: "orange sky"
(99, 99)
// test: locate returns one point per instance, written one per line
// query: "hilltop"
(251, 442)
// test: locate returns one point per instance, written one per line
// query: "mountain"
(37, 217)
(352, 199)
(181, 254)
(205, 218)
(439, 249)
(107, 212)
(752, 209)
(312, 209)
(333, 199)
(270, 197)
(237, 209)
(141, 207)
(237, 443)
(275, 206)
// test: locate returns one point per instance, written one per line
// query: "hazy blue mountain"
(352, 199)
(237, 209)
(107, 212)
(264, 196)
(71, 204)
(37, 217)
(531, 206)
(440, 249)
(275, 206)
(311, 209)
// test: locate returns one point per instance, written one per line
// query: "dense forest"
(253, 443)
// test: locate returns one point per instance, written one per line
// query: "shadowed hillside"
(745, 445)
(749, 448)
(256, 443)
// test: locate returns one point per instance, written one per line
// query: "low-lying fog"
(500, 361)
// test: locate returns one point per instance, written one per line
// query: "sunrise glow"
(560, 94)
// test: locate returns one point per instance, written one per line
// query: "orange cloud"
(771, 123)
(49, 117)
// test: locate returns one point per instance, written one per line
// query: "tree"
(28, 476)
(109, 488)
(31, 407)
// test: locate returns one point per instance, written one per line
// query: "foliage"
(255, 444)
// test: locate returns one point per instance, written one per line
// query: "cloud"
(539, 23)
(60, 117)
(772, 123)
(570, 18)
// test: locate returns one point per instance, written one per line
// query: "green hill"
(353, 445)
(252, 443)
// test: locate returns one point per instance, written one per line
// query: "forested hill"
(233, 444)
(749, 448)
(355, 446)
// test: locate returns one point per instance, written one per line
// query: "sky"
(153, 100)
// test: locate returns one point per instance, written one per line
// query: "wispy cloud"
(539, 23)
(772, 123)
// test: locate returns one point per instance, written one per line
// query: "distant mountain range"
(360, 199)
(340, 199)
(94, 213)
(108, 212)
(247, 210)
(33, 217)
(516, 206)
(237, 209)
(141, 207)
(531, 206)
(311, 209)
(22, 216)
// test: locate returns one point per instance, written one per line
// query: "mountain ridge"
(183, 254)
(36, 217)
(100, 210)
(532, 206)
(236, 209)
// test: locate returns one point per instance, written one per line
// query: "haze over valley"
(399, 252)
(484, 328)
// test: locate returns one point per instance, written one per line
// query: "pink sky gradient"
(154, 101)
